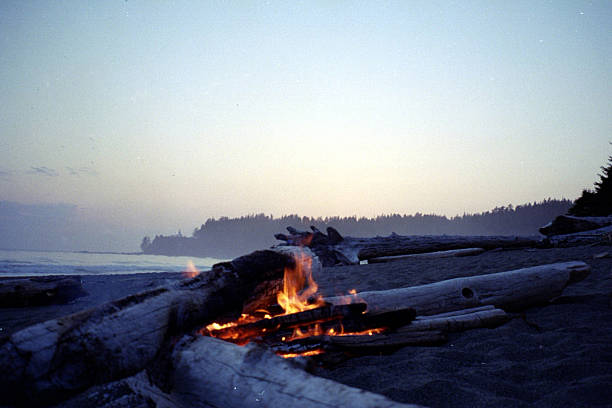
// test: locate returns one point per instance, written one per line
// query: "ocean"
(27, 263)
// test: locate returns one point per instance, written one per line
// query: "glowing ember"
(191, 271)
(303, 354)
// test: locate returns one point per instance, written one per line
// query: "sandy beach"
(557, 355)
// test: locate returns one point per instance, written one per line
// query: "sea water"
(27, 263)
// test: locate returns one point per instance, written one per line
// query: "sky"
(126, 118)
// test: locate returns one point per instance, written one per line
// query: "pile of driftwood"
(149, 343)
(333, 249)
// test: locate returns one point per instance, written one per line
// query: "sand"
(557, 355)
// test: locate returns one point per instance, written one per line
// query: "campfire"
(301, 323)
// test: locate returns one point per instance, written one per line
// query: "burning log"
(211, 372)
(51, 360)
(510, 290)
(429, 255)
(39, 290)
(283, 322)
(334, 249)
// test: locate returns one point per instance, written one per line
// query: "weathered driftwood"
(568, 224)
(51, 360)
(429, 255)
(39, 290)
(211, 372)
(349, 250)
(592, 237)
(510, 290)
(478, 317)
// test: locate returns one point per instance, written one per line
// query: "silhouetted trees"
(229, 237)
(598, 202)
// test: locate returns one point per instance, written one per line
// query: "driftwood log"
(50, 361)
(600, 236)
(211, 372)
(348, 250)
(512, 290)
(568, 224)
(429, 255)
(39, 290)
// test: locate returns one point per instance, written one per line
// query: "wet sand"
(557, 355)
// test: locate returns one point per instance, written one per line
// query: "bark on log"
(512, 290)
(51, 360)
(568, 224)
(429, 255)
(39, 290)
(211, 372)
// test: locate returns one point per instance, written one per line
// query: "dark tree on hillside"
(598, 202)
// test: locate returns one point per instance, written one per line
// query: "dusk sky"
(125, 118)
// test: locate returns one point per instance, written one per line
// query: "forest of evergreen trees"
(230, 237)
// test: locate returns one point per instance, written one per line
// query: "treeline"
(230, 237)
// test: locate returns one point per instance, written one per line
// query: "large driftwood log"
(600, 236)
(211, 372)
(51, 360)
(39, 290)
(568, 224)
(349, 250)
(510, 290)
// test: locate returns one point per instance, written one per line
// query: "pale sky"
(152, 116)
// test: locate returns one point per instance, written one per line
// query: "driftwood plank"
(510, 290)
(211, 372)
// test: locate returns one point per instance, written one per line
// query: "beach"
(547, 356)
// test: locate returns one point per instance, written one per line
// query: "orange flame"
(299, 288)
(191, 271)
